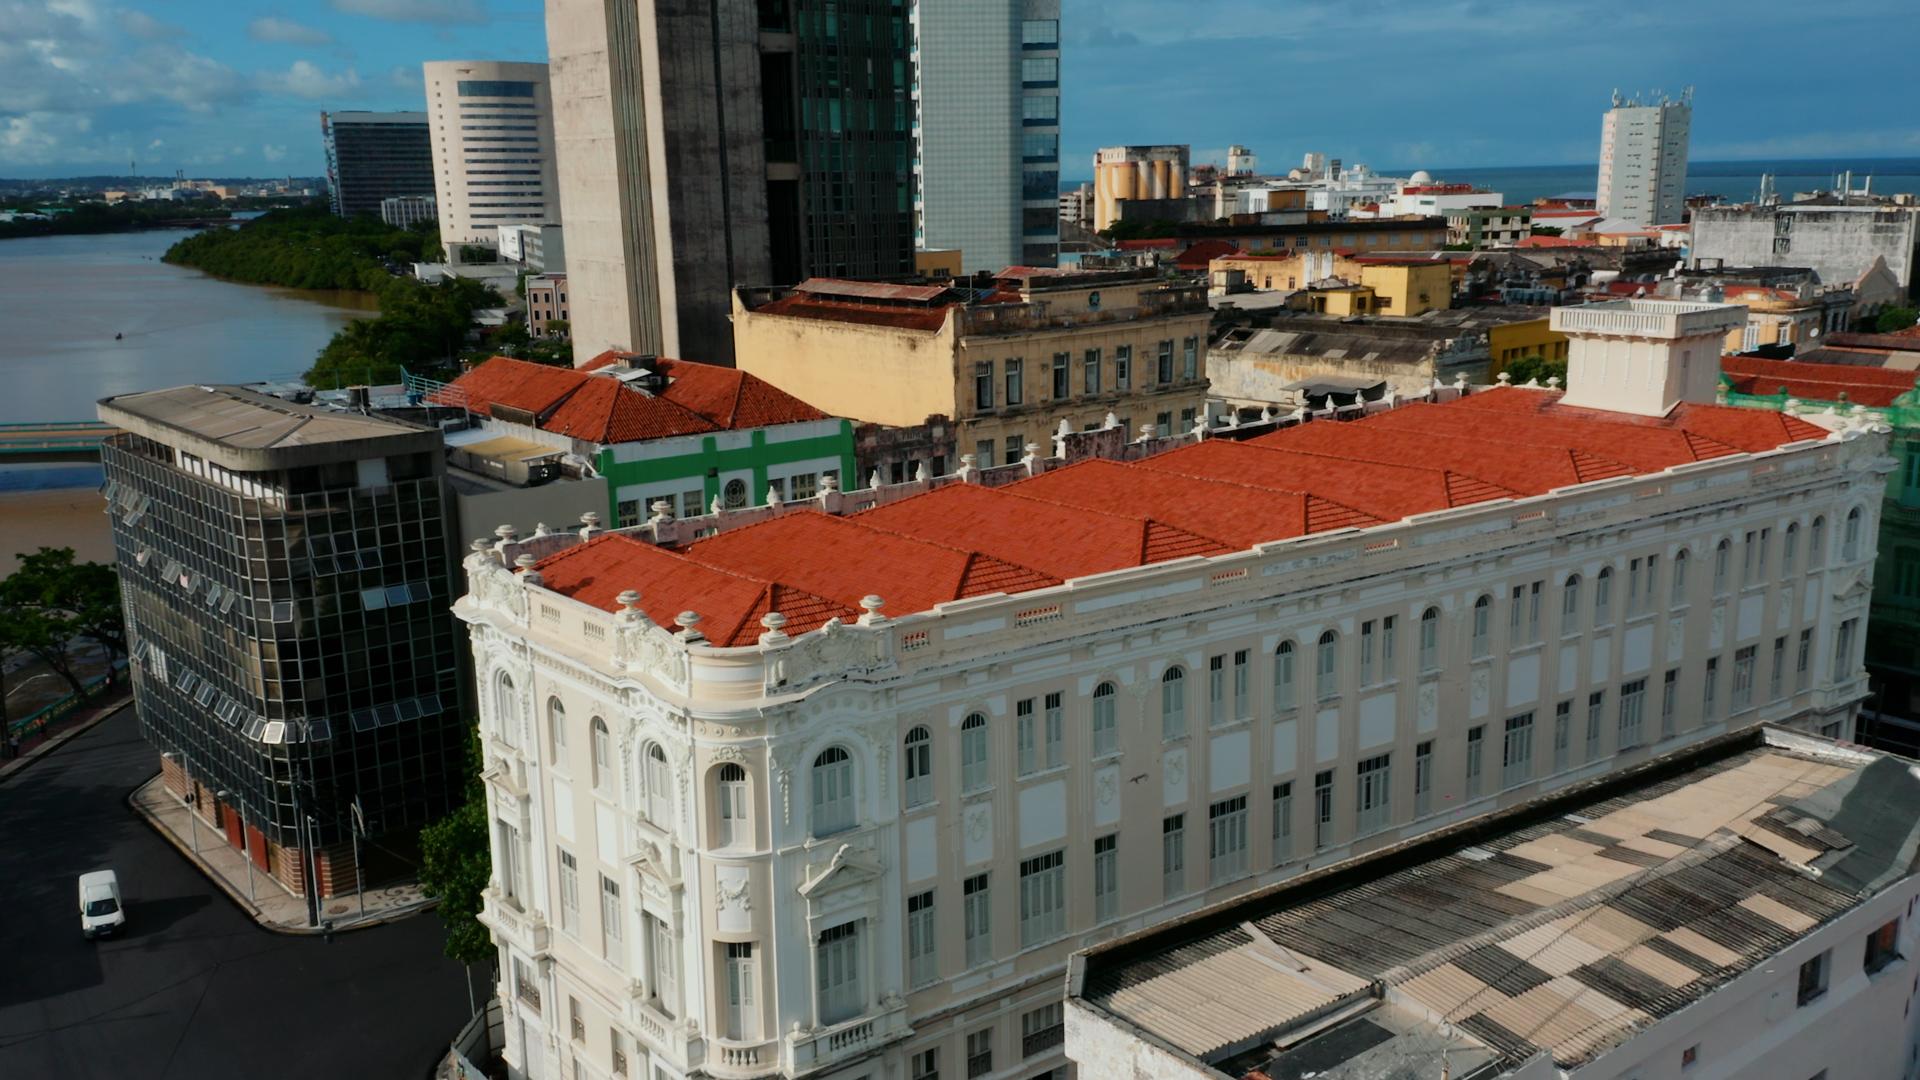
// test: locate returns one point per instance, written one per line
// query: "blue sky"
(234, 87)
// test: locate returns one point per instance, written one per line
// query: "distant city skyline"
(87, 87)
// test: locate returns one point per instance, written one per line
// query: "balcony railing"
(1043, 1040)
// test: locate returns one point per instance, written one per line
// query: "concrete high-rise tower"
(1643, 159)
(750, 143)
(492, 127)
(988, 182)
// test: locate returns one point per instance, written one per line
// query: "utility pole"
(359, 874)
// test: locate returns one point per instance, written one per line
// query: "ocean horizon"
(1735, 181)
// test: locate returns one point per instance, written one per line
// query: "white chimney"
(1645, 356)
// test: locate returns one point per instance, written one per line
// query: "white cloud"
(305, 79)
(272, 151)
(280, 31)
(427, 11)
(144, 26)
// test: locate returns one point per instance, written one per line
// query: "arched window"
(735, 494)
(1173, 703)
(832, 792)
(1792, 546)
(919, 767)
(730, 792)
(1285, 687)
(1817, 544)
(975, 772)
(1430, 639)
(1570, 604)
(506, 709)
(602, 748)
(557, 731)
(1850, 538)
(1483, 627)
(1680, 577)
(1603, 596)
(1106, 726)
(659, 787)
(1327, 668)
(1722, 558)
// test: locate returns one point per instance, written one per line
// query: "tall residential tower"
(492, 127)
(374, 156)
(1643, 159)
(754, 143)
(988, 103)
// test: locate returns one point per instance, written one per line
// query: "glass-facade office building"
(285, 576)
(374, 156)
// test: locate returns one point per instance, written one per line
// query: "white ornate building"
(827, 794)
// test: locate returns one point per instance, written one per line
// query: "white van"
(100, 909)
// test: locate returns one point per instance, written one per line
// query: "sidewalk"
(48, 739)
(269, 902)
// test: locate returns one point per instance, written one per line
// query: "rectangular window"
(1016, 385)
(1562, 736)
(1533, 610)
(1430, 641)
(1635, 592)
(1373, 794)
(1039, 71)
(1055, 732)
(1843, 663)
(978, 915)
(1366, 653)
(1043, 1029)
(1190, 358)
(1516, 610)
(837, 974)
(1386, 647)
(663, 959)
(1712, 688)
(1106, 725)
(1721, 555)
(1633, 697)
(1747, 551)
(1173, 855)
(1026, 737)
(610, 928)
(1776, 673)
(1669, 700)
(1016, 448)
(983, 386)
(922, 963)
(1123, 372)
(925, 1065)
(1476, 742)
(1322, 809)
(1242, 703)
(1163, 424)
(1060, 376)
(979, 1053)
(1227, 839)
(1042, 109)
(1164, 363)
(569, 892)
(1813, 977)
(1282, 822)
(1106, 877)
(1883, 947)
(1803, 662)
(1516, 751)
(1217, 690)
(743, 1014)
(1596, 709)
(1043, 898)
(1090, 372)
(1743, 678)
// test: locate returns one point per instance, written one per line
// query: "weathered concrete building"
(1009, 363)
(1840, 243)
(837, 795)
(746, 143)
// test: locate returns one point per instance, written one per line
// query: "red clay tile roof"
(1207, 499)
(1054, 539)
(730, 604)
(601, 409)
(1197, 256)
(798, 306)
(1817, 382)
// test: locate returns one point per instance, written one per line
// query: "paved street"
(195, 988)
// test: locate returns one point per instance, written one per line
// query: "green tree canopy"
(1528, 368)
(456, 865)
(51, 602)
(1895, 318)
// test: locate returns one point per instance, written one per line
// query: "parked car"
(101, 911)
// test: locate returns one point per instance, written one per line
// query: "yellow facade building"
(1514, 341)
(1043, 347)
(1366, 285)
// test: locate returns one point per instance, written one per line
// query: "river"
(63, 298)
(67, 296)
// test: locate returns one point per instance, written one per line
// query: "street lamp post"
(193, 819)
